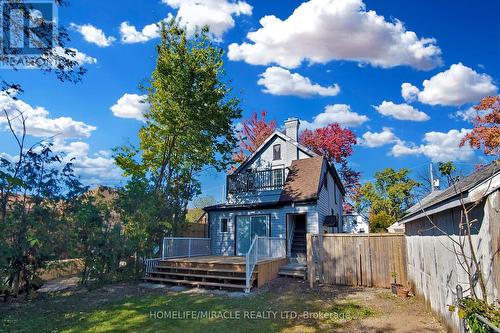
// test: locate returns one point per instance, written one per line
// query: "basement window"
(223, 224)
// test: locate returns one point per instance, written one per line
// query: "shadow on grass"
(283, 306)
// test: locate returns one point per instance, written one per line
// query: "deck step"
(220, 277)
(203, 269)
(196, 283)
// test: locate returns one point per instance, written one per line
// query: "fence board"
(358, 260)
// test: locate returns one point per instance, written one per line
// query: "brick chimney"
(292, 128)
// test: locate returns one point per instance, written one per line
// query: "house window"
(223, 224)
(276, 152)
(277, 177)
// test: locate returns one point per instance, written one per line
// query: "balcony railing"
(263, 180)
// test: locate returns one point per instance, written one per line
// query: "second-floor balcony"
(262, 180)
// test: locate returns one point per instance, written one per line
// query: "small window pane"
(223, 226)
(277, 152)
(277, 178)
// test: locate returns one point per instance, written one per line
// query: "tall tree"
(387, 198)
(336, 144)
(486, 132)
(189, 125)
(254, 132)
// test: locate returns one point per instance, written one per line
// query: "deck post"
(163, 249)
(189, 248)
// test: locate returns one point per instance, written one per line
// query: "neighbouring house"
(282, 190)
(354, 223)
(396, 228)
(434, 225)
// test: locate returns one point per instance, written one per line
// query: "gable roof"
(303, 180)
(267, 141)
(461, 188)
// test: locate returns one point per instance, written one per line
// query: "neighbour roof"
(302, 182)
(284, 137)
(461, 187)
(257, 205)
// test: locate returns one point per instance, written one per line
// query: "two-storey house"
(282, 190)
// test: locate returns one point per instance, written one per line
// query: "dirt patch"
(390, 313)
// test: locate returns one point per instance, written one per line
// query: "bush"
(469, 307)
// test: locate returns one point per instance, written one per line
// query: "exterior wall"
(224, 243)
(330, 199)
(289, 153)
(263, 161)
(355, 224)
(433, 268)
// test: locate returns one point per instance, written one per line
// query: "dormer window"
(276, 152)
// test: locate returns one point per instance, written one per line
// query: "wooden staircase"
(223, 275)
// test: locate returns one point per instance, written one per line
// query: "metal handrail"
(262, 248)
(250, 264)
(270, 179)
(177, 247)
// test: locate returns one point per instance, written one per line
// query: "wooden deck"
(228, 272)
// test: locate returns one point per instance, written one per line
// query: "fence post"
(320, 257)
(189, 247)
(311, 274)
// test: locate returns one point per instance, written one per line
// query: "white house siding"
(289, 153)
(326, 199)
(433, 267)
(264, 161)
(223, 243)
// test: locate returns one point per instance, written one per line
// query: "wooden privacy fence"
(356, 260)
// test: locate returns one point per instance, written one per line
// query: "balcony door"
(247, 227)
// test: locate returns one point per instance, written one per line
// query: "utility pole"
(432, 177)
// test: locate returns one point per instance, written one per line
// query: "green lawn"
(129, 308)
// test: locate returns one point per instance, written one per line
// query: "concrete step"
(301, 275)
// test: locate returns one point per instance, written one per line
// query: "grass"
(131, 309)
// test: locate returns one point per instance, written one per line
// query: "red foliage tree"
(332, 141)
(255, 131)
(486, 131)
(335, 143)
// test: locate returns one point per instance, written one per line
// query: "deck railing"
(176, 247)
(263, 180)
(262, 248)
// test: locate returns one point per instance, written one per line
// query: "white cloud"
(38, 123)
(336, 113)
(319, 31)
(97, 169)
(466, 115)
(280, 81)
(401, 111)
(438, 146)
(456, 86)
(409, 92)
(93, 35)
(79, 57)
(217, 14)
(373, 139)
(131, 106)
(130, 35)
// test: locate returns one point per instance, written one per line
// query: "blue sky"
(320, 61)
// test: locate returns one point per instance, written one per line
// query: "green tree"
(189, 125)
(387, 198)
